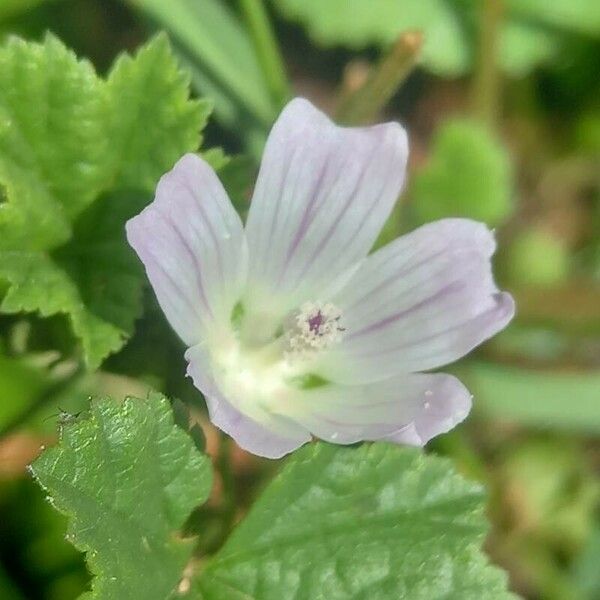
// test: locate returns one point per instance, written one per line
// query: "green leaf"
(363, 22)
(127, 477)
(220, 54)
(149, 95)
(238, 176)
(94, 278)
(52, 143)
(216, 158)
(375, 521)
(543, 398)
(111, 291)
(468, 175)
(67, 138)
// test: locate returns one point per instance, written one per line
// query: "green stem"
(363, 105)
(267, 49)
(487, 80)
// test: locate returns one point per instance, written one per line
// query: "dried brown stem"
(362, 105)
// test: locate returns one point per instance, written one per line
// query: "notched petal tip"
(393, 134)
(506, 306)
(422, 301)
(321, 198)
(462, 232)
(499, 316)
(301, 109)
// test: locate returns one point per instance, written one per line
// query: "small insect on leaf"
(64, 417)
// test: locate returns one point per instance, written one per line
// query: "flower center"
(316, 326)
(263, 372)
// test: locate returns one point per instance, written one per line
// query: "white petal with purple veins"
(292, 329)
(393, 409)
(421, 302)
(192, 244)
(322, 195)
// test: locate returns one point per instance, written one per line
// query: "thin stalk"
(363, 105)
(487, 79)
(267, 49)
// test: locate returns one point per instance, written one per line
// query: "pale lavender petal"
(408, 409)
(192, 243)
(323, 193)
(263, 433)
(421, 302)
(446, 406)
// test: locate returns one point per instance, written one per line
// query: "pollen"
(315, 327)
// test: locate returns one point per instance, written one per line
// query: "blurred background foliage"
(502, 102)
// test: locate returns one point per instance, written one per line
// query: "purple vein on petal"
(309, 212)
(198, 269)
(280, 191)
(211, 233)
(497, 311)
(360, 223)
(177, 286)
(401, 272)
(447, 289)
(325, 239)
(404, 292)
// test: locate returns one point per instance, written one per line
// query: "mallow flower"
(292, 328)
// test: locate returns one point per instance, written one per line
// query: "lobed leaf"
(152, 119)
(52, 143)
(127, 477)
(221, 56)
(375, 521)
(67, 138)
